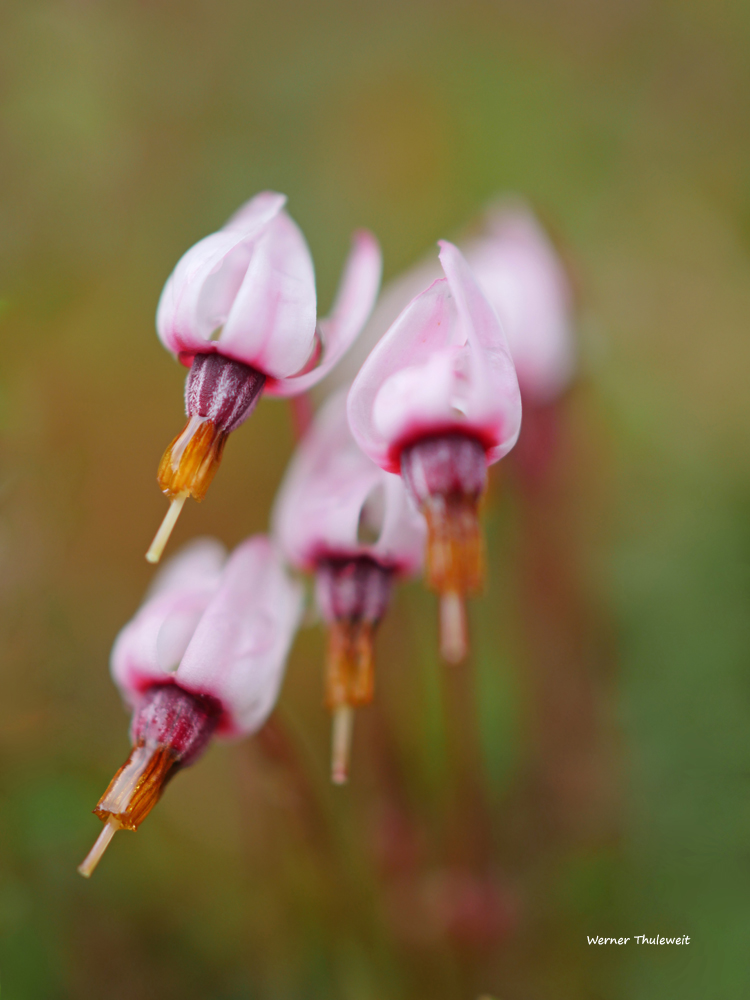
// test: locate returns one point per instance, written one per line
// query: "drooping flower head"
(524, 279)
(437, 401)
(240, 311)
(204, 656)
(341, 517)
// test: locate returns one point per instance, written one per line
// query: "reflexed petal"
(428, 324)
(271, 323)
(199, 293)
(327, 482)
(255, 213)
(419, 398)
(239, 649)
(476, 317)
(489, 398)
(194, 566)
(354, 301)
(392, 300)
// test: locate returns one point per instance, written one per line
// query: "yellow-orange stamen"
(186, 470)
(455, 565)
(190, 462)
(350, 683)
(130, 796)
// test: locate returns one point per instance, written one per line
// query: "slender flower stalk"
(239, 310)
(203, 657)
(438, 401)
(342, 518)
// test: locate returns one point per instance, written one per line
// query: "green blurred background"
(595, 785)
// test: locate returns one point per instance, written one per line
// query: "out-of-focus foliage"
(597, 775)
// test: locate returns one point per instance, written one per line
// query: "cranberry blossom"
(341, 517)
(438, 401)
(524, 280)
(203, 657)
(239, 310)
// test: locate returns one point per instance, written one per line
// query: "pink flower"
(443, 367)
(523, 278)
(343, 518)
(438, 400)
(204, 656)
(247, 293)
(240, 310)
(525, 281)
(332, 491)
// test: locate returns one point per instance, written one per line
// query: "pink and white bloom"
(332, 490)
(240, 311)
(523, 278)
(438, 400)
(247, 292)
(341, 517)
(204, 656)
(216, 626)
(443, 367)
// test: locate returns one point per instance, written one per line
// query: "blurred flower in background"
(524, 280)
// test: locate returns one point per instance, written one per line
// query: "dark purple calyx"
(445, 466)
(171, 728)
(222, 390)
(355, 590)
(174, 718)
(446, 476)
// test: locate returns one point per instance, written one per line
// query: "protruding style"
(203, 657)
(239, 310)
(438, 401)
(341, 517)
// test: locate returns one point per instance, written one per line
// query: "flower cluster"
(389, 476)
